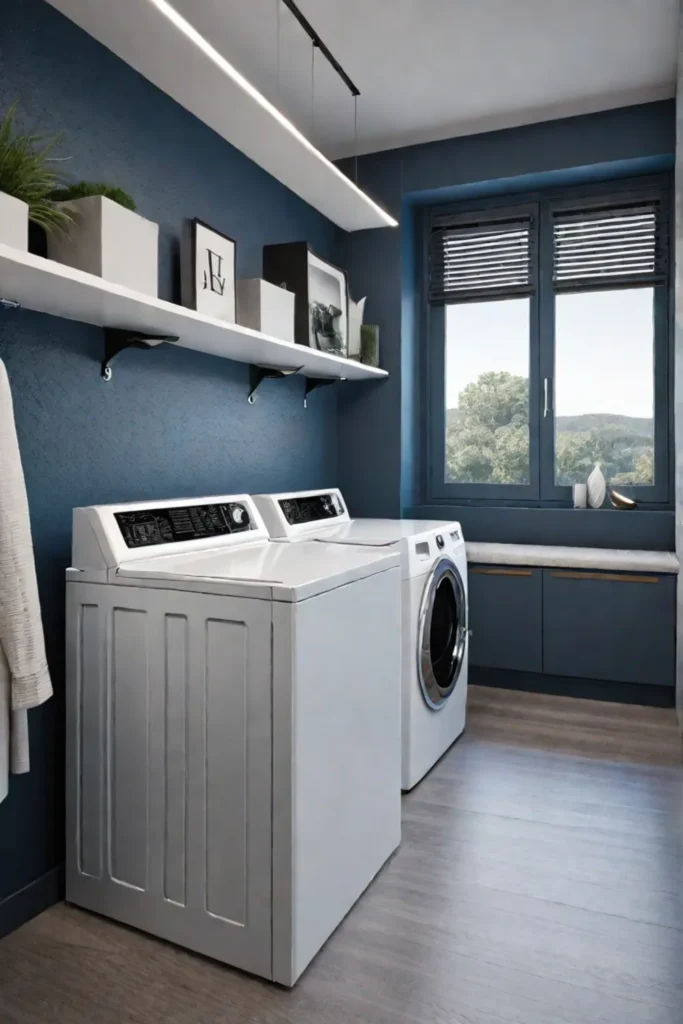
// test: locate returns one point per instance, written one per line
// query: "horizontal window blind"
(481, 260)
(609, 246)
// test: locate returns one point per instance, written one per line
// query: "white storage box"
(111, 242)
(266, 308)
(13, 222)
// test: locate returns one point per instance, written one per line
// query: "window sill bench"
(616, 559)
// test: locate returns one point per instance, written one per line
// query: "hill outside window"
(548, 345)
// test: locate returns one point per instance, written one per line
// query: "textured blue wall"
(171, 422)
(380, 430)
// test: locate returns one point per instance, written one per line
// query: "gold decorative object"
(621, 501)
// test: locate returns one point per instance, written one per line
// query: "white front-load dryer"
(434, 634)
(233, 728)
(434, 650)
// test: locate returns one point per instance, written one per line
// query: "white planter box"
(13, 222)
(266, 308)
(111, 242)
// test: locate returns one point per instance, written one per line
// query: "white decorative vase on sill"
(13, 222)
(597, 488)
(109, 241)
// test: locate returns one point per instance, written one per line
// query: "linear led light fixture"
(226, 67)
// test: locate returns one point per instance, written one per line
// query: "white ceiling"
(431, 69)
(155, 39)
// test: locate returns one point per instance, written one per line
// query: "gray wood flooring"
(540, 881)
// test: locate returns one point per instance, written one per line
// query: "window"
(548, 346)
(487, 392)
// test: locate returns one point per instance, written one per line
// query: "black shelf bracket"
(257, 374)
(117, 339)
(318, 382)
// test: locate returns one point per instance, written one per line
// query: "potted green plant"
(106, 237)
(27, 181)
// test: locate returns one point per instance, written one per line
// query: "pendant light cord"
(312, 88)
(277, 44)
(355, 138)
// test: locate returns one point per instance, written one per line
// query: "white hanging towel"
(24, 675)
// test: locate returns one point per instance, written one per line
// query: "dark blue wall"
(172, 422)
(381, 429)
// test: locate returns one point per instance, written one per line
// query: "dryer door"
(441, 633)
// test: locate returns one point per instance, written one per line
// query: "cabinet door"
(505, 617)
(169, 766)
(608, 625)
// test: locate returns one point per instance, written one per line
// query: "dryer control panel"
(301, 514)
(312, 508)
(106, 536)
(154, 526)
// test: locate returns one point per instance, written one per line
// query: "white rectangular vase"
(13, 222)
(266, 308)
(111, 242)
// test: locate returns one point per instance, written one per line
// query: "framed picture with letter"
(207, 260)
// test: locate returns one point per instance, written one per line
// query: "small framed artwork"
(208, 271)
(321, 303)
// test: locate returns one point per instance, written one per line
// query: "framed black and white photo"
(321, 304)
(208, 271)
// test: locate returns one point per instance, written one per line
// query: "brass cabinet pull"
(604, 576)
(503, 572)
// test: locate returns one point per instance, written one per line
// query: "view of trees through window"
(603, 389)
(487, 392)
(487, 434)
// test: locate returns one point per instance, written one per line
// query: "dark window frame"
(542, 490)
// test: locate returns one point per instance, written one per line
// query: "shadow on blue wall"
(172, 422)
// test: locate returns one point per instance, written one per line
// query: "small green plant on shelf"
(27, 172)
(84, 189)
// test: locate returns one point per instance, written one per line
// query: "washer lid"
(419, 542)
(379, 532)
(282, 572)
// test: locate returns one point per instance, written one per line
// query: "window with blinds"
(610, 246)
(547, 344)
(481, 260)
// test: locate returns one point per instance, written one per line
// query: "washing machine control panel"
(149, 527)
(311, 508)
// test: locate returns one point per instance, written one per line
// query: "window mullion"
(546, 402)
(535, 379)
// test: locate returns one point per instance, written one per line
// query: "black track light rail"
(317, 41)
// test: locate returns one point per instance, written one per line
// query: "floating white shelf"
(49, 287)
(156, 40)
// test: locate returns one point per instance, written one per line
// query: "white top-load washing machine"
(434, 615)
(233, 728)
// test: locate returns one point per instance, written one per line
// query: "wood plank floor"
(540, 881)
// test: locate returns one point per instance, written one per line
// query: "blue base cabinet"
(608, 625)
(605, 629)
(506, 605)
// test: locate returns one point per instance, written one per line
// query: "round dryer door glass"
(442, 633)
